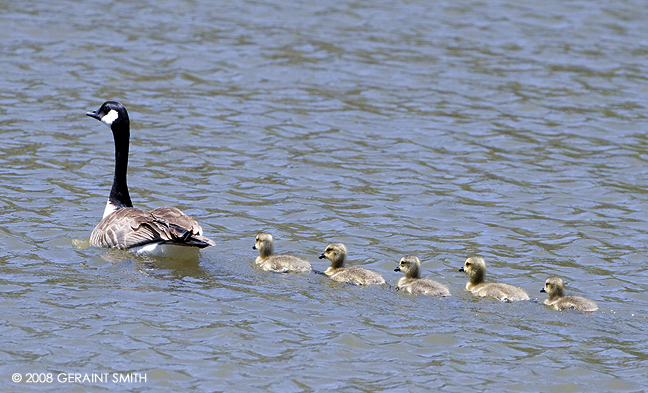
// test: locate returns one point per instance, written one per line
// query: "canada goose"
(277, 263)
(336, 253)
(476, 269)
(413, 283)
(165, 231)
(554, 288)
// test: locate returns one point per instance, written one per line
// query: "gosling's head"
(475, 267)
(410, 265)
(336, 253)
(553, 287)
(263, 244)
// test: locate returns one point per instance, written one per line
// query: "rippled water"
(512, 130)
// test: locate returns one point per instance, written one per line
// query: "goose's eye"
(467, 263)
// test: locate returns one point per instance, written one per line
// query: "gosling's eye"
(467, 263)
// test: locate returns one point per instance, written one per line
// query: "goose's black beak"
(93, 114)
(542, 290)
(254, 247)
(322, 256)
(397, 269)
(461, 269)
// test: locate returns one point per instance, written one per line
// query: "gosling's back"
(355, 275)
(500, 291)
(422, 286)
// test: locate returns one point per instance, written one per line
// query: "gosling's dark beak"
(397, 269)
(461, 269)
(93, 114)
(254, 247)
(543, 291)
(322, 256)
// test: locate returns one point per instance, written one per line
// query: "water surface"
(511, 130)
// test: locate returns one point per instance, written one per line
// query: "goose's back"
(131, 227)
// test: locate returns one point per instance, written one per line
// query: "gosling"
(554, 288)
(476, 269)
(277, 263)
(413, 283)
(336, 253)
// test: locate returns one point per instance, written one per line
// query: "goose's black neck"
(119, 192)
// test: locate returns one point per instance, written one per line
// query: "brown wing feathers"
(131, 227)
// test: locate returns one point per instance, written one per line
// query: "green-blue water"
(511, 130)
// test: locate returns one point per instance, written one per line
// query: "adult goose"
(162, 232)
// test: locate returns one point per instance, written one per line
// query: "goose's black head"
(113, 114)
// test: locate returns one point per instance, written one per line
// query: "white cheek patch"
(110, 117)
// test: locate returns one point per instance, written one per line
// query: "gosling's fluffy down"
(554, 288)
(476, 269)
(336, 253)
(277, 263)
(413, 283)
